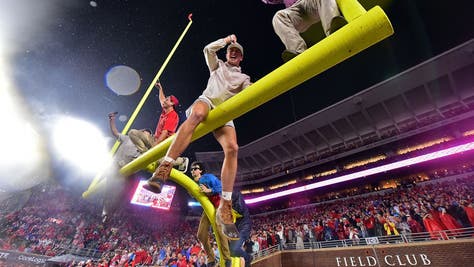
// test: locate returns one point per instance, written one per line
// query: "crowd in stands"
(54, 220)
(444, 205)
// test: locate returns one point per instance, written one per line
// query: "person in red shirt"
(435, 228)
(469, 209)
(415, 226)
(167, 125)
(449, 222)
(196, 248)
(318, 230)
(182, 261)
(369, 223)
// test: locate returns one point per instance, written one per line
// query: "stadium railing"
(461, 233)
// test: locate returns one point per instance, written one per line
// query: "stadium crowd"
(55, 221)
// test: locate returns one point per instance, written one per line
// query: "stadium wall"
(459, 253)
(15, 258)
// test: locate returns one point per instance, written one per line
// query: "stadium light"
(356, 175)
(24, 162)
(81, 144)
(194, 204)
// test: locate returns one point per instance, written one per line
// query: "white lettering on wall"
(353, 262)
(371, 260)
(410, 257)
(386, 258)
(390, 260)
(425, 259)
(400, 261)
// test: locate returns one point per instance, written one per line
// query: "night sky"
(62, 50)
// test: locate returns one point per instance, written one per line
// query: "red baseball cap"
(174, 100)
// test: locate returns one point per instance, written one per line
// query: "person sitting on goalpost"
(226, 80)
(298, 16)
(126, 152)
(167, 124)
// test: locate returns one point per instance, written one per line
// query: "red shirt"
(182, 262)
(168, 121)
(195, 250)
(369, 222)
(215, 200)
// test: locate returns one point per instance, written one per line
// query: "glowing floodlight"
(81, 144)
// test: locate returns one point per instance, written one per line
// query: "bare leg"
(227, 138)
(186, 130)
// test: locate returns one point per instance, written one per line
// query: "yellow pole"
(94, 185)
(351, 9)
(359, 34)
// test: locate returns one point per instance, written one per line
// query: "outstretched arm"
(161, 94)
(112, 126)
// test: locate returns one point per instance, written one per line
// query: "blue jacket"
(211, 182)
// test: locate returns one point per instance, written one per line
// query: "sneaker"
(288, 55)
(183, 167)
(225, 221)
(161, 174)
(336, 23)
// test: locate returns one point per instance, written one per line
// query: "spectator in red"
(448, 220)
(182, 262)
(415, 227)
(469, 209)
(318, 230)
(369, 223)
(195, 249)
(140, 256)
(434, 227)
(167, 125)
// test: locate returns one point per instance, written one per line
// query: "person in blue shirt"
(210, 185)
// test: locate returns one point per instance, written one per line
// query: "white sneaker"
(183, 167)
